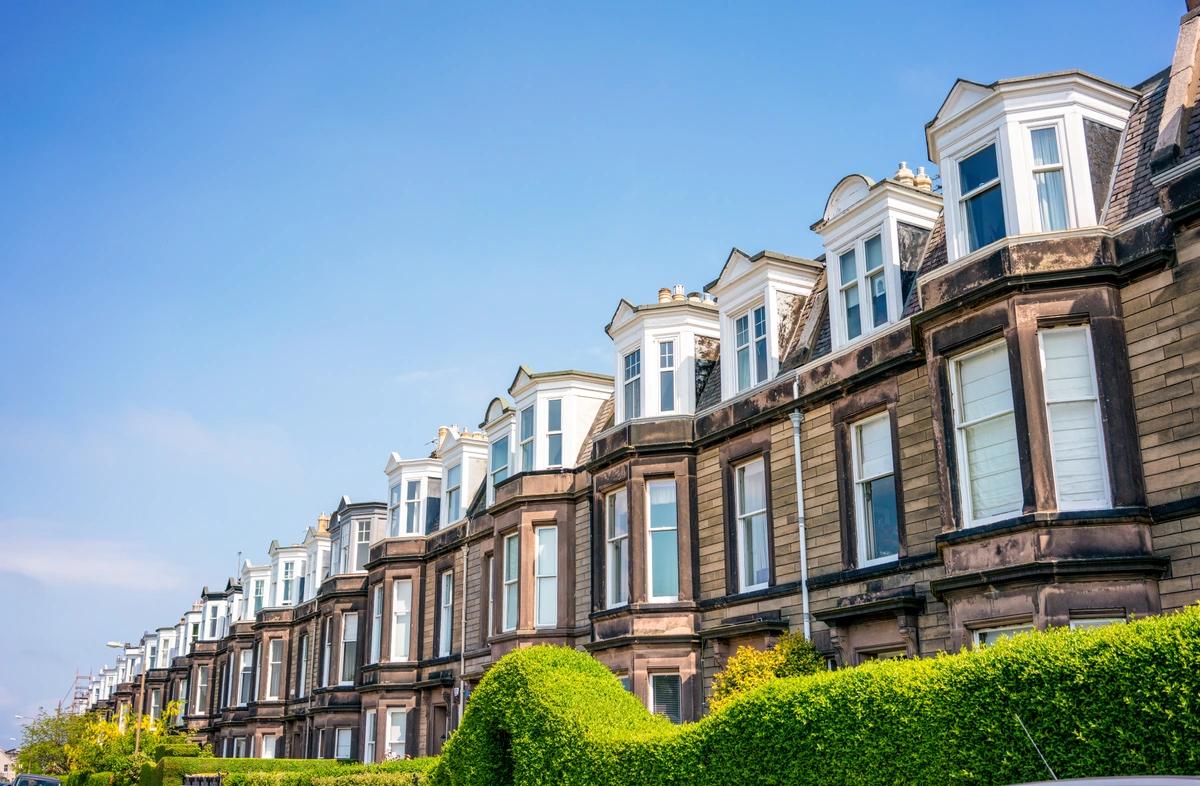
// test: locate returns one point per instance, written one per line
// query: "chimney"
(923, 181)
(693, 297)
(1181, 92)
(679, 297)
(903, 175)
(322, 524)
(664, 295)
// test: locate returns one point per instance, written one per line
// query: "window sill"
(888, 568)
(1032, 520)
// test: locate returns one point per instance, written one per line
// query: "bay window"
(488, 568)
(545, 576)
(376, 623)
(454, 493)
(327, 652)
(245, 672)
(1048, 179)
(349, 661)
(986, 435)
(863, 278)
(302, 668)
(401, 619)
(341, 743)
(666, 376)
(274, 668)
(362, 545)
(397, 728)
(632, 381)
(527, 439)
(982, 199)
(512, 570)
(499, 468)
(289, 582)
(754, 571)
(412, 507)
(750, 343)
(662, 542)
(155, 703)
(875, 511)
(259, 591)
(445, 633)
(554, 437)
(395, 509)
(616, 509)
(1073, 418)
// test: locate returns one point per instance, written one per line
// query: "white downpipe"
(462, 649)
(797, 418)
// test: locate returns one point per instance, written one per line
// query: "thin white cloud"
(86, 563)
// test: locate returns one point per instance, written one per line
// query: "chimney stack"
(904, 175)
(679, 297)
(923, 181)
(1181, 92)
(664, 295)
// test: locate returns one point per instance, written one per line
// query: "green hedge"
(175, 748)
(284, 772)
(89, 779)
(1119, 700)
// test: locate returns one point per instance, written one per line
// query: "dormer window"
(750, 341)
(412, 508)
(554, 432)
(666, 376)
(633, 384)
(395, 509)
(499, 468)
(1048, 177)
(982, 198)
(863, 277)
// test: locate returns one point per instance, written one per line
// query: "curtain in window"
(989, 434)
(1051, 187)
(1070, 383)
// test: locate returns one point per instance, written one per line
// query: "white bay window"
(982, 198)
(875, 511)
(554, 436)
(512, 572)
(401, 619)
(454, 493)
(754, 571)
(445, 633)
(1049, 179)
(616, 507)
(545, 568)
(632, 384)
(750, 344)
(662, 542)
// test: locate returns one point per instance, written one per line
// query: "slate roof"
(604, 419)
(710, 393)
(806, 336)
(1132, 192)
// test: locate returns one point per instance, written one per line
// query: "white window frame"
(751, 346)
(348, 654)
(551, 433)
(274, 670)
(616, 549)
(978, 633)
(302, 668)
(369, 720)
(741, 518)
(631, 380)
(239, 747)
(527, 442)
(489, 568)
(362, 543)
(511, 583)
(267, 747)
(342, 751)
(860, 482)
(862, 281)
(545, 575)
(1063, 166)
(960, 430)
(650, 530)
(397, 743)
(454, 509)
(202, 688)
(259, 597)
(289, 583)
(327, 652)
(245, 676)
(412, 507)
(376, 623)
(395, 508)
(964, 229)
(1100, 503)
(501, 470)
(1087, 623)
(401, 620)
(155, 703)
(445, 635)
(668, 361)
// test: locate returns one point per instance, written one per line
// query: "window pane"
(883, 534)
(978, 169)
(755, 568)
(1045, 147)
(547, 602)
(666, 354)
(743, 368)
(1067, 364)
(526, 423)
(554, 414)
(664, 547)
(1052, 199)
(546, 559)
(853, 315)
(665, 690)
(511, 564)
(985, 218)
(848, 267)
(1078, 463)
(618, 518)
(741, 329)
(875, 447)
(874, 251)
(554, 446)
(984, 383)
(546, 571)
(500, 458)
(751, 488)
(666, 391)
(879, 308)
(994, 468)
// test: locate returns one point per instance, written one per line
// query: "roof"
(604, 419)
(1132, 192)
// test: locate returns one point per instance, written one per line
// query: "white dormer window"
(863, 278)
(1048, 179)
(527, 442)
(454, 493)
(554, 435)
(412, 508)
(499, 467)
(750, 341)
(362, 545)
(982, 198)
(666, 376)
(633, 384)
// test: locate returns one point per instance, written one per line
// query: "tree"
(44, 742)
(105, 747)
(792, 656)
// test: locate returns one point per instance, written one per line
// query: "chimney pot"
(664, 295)
(903, 174)
(923, 181)
(679, 296)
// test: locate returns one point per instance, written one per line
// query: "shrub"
(180, 747)
(792, 656)
(1119, 700)
(170, 770)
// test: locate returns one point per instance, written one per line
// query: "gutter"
(797, 418)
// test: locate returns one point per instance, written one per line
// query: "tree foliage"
(44, 742)
(792, 656)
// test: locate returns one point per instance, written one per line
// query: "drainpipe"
(797, 418)
(462, 648)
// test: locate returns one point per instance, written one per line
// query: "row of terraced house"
(992, 388)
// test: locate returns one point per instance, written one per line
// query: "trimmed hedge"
(89, 779)
(1118, 700)
(285, 772)
(175, 748)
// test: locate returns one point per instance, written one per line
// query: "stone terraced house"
(992, 388)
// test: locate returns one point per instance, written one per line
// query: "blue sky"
(246, 250)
